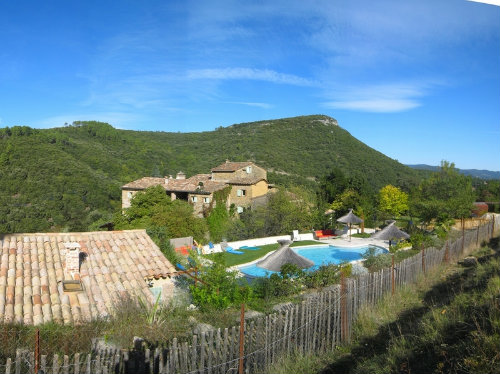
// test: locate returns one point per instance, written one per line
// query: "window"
(194, 199)
(129, 194)
(239, 209)
(206, 200)
(241, 193)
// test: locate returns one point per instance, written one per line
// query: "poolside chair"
(246, 247)
(180, 267)
(295, 235)
(233, 251)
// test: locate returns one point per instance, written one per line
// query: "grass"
(361, 235)
(448, 322)
(251, 255)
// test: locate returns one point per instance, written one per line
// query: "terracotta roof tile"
(115, 266)
(190, 185)
(231, 166)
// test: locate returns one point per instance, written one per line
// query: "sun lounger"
(246, 247)
(233, 251)
(180, 267)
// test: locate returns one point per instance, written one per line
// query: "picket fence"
(322, 321)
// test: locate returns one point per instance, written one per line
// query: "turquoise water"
(320, 255)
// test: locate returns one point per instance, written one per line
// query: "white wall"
(256, 242)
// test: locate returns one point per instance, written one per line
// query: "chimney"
(180, 175)
(227, 161)
(72, 267)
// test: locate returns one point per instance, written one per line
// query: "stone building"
(246, 180)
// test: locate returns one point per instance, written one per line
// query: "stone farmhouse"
(76, 277)
(247, 181)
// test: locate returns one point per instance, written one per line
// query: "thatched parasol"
(284, 255)
(350, 218)
(390, 232)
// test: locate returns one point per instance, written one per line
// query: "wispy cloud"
(249, 74)
(258, 105)
(387, 98)
(376, 105)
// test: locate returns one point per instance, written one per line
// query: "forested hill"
(475, 173)
(65, 178)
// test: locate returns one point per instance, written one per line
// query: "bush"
(374, 262)
(219, 288)
(324, 276)
(285, 283)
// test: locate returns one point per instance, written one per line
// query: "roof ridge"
(71, 233)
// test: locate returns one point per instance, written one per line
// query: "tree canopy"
(446, 193)
(392, 201)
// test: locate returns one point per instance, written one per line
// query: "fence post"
(463, 234)
(393, 283)
(493, 227)
(343, 308)
(447, 252)
(242, 338)
(477, 236)
(37, 351)
(423, 259)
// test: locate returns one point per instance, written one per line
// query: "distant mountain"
(65, 178)
(481, 174)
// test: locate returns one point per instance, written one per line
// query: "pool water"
(320, 255)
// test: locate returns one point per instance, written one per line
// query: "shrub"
(324, 276)
(220, 288)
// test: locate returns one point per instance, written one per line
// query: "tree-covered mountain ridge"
(475, 173)
(63, 178)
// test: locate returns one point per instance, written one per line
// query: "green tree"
(445, 194)
(284, 212)
(219, 219)
(392, 201)
(163, 218)
(349, 198)
(220, 288)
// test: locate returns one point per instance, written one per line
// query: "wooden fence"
(318, 324)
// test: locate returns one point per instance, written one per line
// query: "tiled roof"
(232, 166)
(113, 267)
(245, 181)
(143, 183)
(178, 185)
(192, 184)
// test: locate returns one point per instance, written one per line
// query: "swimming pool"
(320, 255)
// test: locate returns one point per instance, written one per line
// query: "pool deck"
(341, 241)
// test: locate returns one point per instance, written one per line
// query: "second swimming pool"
(320, 255)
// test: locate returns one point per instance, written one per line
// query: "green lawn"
(251, 255)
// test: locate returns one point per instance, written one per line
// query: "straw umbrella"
(350, 218)
(390, 232)
(284, 255)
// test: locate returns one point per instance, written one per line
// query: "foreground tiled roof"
(113, 267)
(232, 166)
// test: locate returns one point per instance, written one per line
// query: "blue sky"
(418, 80)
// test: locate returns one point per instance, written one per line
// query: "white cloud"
(258, 105)
(249, 74)
(384, 98)
(491, 2)
(376, 105)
